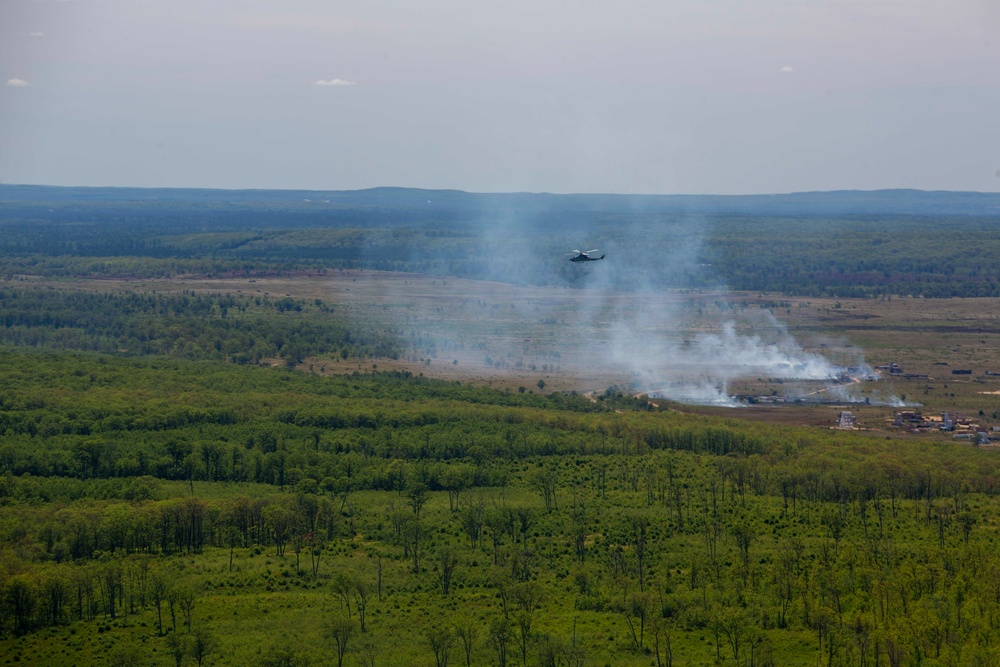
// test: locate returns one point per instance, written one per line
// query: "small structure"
(946, 422)
(847, 421)
(908, 419)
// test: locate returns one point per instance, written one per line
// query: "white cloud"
(787, 68)
(35, 34)
(17, 83)
(334, 82)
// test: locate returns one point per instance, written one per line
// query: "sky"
(624, 96)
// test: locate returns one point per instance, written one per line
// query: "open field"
(509, 336)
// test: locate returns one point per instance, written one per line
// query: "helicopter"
(584, 256)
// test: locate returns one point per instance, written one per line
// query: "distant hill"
(841, 202)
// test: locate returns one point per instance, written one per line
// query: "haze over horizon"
(636, 97)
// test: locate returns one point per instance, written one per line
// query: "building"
(847, 421)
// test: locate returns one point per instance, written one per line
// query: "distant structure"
(947, 423)
(895, 370)
(962, 427)
(911, 421)
(846, 421)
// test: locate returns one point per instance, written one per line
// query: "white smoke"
(674, 349)
(858, 393)
(625, 316)
(696, 393)
(699, 367)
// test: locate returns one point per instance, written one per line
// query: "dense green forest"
(816, 244)
(172, 502)
(242, 329)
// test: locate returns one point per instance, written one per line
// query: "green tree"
(283, 655)
(467, 632)
(341, 629)
(447, 561)
(203, 644)
(441, 640)
(500, 636)
(177, 647)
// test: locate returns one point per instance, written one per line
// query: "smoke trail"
(699, 369)
(627, 315)
(673, 351)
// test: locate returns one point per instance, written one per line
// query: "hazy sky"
(631, 96)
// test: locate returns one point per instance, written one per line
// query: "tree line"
(821, 254)
(237, 328)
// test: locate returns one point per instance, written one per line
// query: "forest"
(168, 502)
(848, 244)
(206, 476)
(237, 328)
